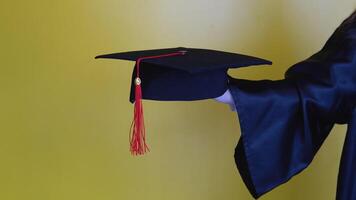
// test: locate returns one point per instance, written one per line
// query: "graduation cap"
(177, 74)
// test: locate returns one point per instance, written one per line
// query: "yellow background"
(64, 117)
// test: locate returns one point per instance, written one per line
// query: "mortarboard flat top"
(194, 61)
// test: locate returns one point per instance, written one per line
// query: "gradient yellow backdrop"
(64, 117)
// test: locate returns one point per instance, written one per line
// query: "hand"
(227, 99)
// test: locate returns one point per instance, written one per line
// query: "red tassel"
(138, 144)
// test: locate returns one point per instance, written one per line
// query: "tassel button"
(138, 81)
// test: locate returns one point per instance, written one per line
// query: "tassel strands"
(138, 145)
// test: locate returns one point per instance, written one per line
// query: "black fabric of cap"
(196, 75)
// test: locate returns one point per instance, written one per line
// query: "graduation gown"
(284, 122)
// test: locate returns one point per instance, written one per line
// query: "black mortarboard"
(177, 74)
(198, 74)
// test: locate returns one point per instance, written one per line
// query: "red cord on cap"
(137, 137)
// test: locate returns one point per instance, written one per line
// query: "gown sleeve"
(346, 183)
(284, 122)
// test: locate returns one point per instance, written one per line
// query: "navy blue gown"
(284, 122)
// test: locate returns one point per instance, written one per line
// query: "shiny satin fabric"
(285, 122)
(346, 186)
